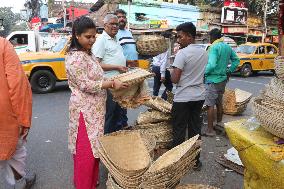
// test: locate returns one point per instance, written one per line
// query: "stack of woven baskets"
(151, 45)
(156, 122)
(169, 168)
(235, 101)
(165, 172)
(126, 157)
(269, 106)
(137, 92)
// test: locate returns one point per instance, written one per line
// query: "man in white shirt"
(110, 55)
(162, 75)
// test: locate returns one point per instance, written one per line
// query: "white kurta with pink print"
(85, 77)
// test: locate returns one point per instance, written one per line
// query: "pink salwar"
(86, 166)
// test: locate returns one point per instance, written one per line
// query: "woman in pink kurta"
(87, 103)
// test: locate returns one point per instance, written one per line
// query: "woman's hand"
(122, 69)
(119, 85)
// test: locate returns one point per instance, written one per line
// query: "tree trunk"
(281, 28)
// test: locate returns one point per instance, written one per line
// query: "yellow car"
(256, 57)
(44, 69)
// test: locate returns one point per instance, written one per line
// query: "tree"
(9, 20)
(33, 6)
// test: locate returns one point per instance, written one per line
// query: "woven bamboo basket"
(133, 96)
(172, 156)
(111, 184)
(151, 45)
(168, 169)
(269, 113)
(279, 67)
(162, 132)
(235, 101)
(170, 97)
(152, 116)
(149, 141)
(275, 89)
(124, 180)
(157, 103)
(127, 152)
(195, 186)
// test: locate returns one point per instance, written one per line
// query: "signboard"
(239, 4)
(234, 15)
(159, 24)
(234, 29)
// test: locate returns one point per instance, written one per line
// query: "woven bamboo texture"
(157, 103)
(127, 152)
(169, 168)
(279, 67)
(151, 45)
(170, 97)
(275, 89)
(152, 116)
(269, 112)
(162, 132)
(195, 186)
(235, 101)
(133, 96)
(149, 140)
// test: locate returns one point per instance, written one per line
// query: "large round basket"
(275, 89)
(270, 114)
(151, 45)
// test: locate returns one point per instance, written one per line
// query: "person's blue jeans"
(115, 117)
(157, 82)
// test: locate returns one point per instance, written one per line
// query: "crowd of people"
(91, 62)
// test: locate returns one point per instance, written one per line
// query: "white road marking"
(251, 82)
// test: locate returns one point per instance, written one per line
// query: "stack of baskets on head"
(169, 168)
(151, 45)
(137, 92)
(268, 108)
(235, 101)
(129, 164)
(156, 122)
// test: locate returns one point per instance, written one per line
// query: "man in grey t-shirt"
(188, 74)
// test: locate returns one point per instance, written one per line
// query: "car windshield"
(246, 49)
(60, 45)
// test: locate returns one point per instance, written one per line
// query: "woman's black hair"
(187, 27)
(80, 25)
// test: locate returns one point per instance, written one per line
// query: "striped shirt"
(125, 39)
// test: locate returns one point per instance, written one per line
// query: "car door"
(271, 53)
(259, 58)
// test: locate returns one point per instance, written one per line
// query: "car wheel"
(246, 70)
(43, 81)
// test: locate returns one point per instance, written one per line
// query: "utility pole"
(64, 14)
(264, 22)
(281, 28)
(72, 9)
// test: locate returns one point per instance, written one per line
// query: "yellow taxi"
(44, 69)
(256, 57)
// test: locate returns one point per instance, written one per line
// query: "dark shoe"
(197, 166)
